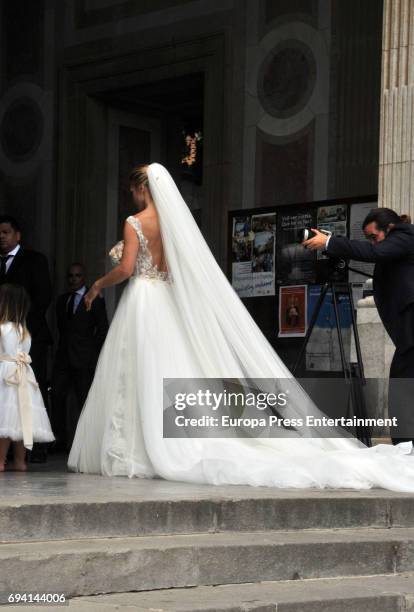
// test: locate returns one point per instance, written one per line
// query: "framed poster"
(253, 254)
(334, 219)
(295, 263)
(264, 243)
(293, 315)
(322, 350)
(242, 255)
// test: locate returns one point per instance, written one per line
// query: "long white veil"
(211, 335)
(225, 337)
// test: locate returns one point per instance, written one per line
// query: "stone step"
(368, 594)
(37, 519)
(110, 565)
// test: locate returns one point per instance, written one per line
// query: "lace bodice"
(144, 266)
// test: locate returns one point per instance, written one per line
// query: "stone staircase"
(151, 545)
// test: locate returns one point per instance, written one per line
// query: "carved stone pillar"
(377, 350)
(396, 163)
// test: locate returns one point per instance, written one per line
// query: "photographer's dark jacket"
(393, 278)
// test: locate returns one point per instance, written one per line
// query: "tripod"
(352, 372)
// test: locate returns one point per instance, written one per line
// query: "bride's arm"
(122, 271)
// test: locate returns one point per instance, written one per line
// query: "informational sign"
(295, 264)
(268, 259)
(264, 242)
(242, 255)
(333, 219)
(293, 311)
(322, 351)
(253, 254)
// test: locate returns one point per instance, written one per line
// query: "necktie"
(3, 270)
(71, 305)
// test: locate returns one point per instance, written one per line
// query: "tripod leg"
(345, 368)
(363, 431)
(354, 375)
(358, 378)
(356, 336)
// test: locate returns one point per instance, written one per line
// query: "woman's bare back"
(152, 232)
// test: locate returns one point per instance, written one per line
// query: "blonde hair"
(138, 176)
(14, 307)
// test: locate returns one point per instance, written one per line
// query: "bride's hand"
(91, 295)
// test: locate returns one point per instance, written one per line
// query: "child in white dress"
(23, 416)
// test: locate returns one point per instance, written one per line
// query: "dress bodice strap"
(136, 224)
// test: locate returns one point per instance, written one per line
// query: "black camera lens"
(305, 234)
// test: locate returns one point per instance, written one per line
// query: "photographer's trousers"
(401, 395)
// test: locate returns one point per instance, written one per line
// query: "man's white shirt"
(79, 293)
(10, 256)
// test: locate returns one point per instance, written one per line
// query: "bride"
(179, 318)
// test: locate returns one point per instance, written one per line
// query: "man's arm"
(395, 246)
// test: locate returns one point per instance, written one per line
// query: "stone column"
(396, 163)
(377, 350)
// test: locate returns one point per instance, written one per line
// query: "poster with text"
(263, 263)
(293, 314)
(295, 264)
(323, 349)
(242, 256)
(333, 219)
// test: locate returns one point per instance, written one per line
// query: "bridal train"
(189, 323)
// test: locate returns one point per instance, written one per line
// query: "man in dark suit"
(391, 247)
(81, 335)
(30, 269)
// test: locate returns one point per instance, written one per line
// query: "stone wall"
(290, 108)
(27, 113)
(396, 187)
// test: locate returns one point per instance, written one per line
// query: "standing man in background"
(81, 335)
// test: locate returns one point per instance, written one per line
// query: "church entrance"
(158, 121)
(160, 105)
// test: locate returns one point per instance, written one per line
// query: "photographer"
(391, 247)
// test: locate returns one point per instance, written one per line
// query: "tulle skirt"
(10, 423)
(120, 430)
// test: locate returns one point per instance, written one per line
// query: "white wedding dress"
(189, 323)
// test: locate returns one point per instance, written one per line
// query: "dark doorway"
(171, 132)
